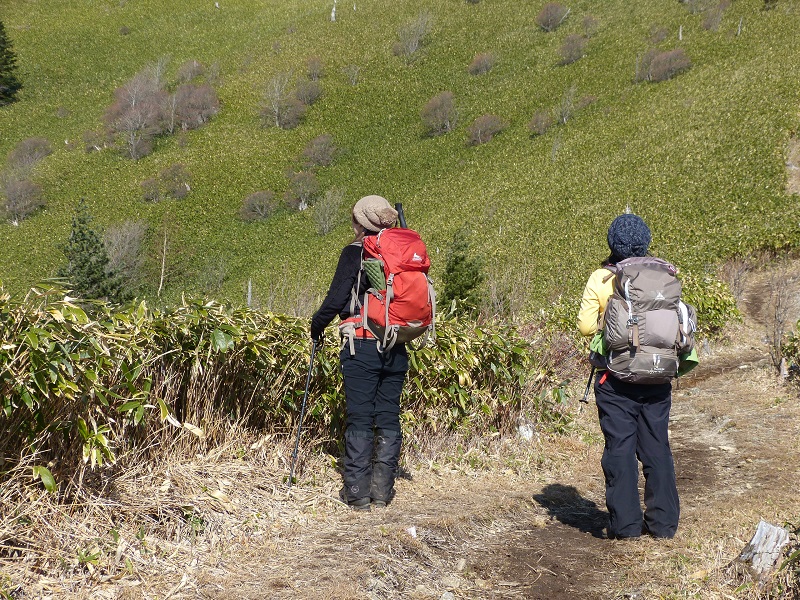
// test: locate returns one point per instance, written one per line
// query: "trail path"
(498, 534)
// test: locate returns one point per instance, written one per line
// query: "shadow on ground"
(565, 503)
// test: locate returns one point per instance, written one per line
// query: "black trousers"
(634, 419)
(373, 382)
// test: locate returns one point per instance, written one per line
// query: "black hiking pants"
(373, 382)
(634, 419)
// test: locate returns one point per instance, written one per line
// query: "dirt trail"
(539, 532)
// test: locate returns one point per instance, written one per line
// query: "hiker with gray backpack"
(642, 338)
(383, 297)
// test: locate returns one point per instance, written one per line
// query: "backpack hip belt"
(349, 330)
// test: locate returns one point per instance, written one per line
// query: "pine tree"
(462, 273)
(87, 269)
(9, 84)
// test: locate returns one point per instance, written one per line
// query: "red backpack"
(400, 304)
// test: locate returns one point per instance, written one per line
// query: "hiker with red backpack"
(382, 295)
(643, 338)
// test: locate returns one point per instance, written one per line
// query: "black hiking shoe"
(358, 504)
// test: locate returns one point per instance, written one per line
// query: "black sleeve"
(339, 293)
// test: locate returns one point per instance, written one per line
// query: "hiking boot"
(384, 469)
(359, 504)
(357, 474)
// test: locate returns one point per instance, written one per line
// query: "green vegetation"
(462, 274)
(79, 385)
(700, 156)
(9, 82)
(87, 267)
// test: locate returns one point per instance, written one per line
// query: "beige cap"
(374, 213)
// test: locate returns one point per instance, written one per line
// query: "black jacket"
(337, 301)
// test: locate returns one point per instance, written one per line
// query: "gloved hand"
(317, 336)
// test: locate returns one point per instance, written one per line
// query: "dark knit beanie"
(628, 236)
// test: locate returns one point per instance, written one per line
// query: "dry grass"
(491, 517)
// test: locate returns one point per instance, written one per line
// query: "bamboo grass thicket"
(80, 380)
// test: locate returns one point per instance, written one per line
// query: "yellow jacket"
(594, 300)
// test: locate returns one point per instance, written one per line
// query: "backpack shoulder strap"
(612, 271)
(355, 305)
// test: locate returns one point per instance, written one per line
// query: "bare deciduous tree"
(195, 105)
(484, 128)
(175, 181)
(713, 16)
(666, 65)
(281, 107)
(781, 305)
(22, 198)
(320, 151)
(542, 121)
(482, 63)
(314, 68)
(327, 211)
(439, 115)
(137, 113)
(351, 72)
(124, 249)
(412, 35)
(308, 92)
(566, 107)
(303, 190)
(590, 25)
(189, 70)
(572, 49)
(259, 206)
(551, 16)
(151, 191)
(26, 154)
(658, 33)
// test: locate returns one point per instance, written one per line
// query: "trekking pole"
(585, 399)
(302, 412)
(401, 216)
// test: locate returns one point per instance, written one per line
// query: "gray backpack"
(646, 327)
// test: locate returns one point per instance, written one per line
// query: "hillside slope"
(700, 157)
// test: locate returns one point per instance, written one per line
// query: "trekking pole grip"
(401, 216)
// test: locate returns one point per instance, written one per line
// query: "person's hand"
(319, 340)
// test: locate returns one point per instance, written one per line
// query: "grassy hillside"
(700, 157)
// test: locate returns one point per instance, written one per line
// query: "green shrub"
(791, 351)
(9, 82)
(80, 385)
(463, 273)
(715, 304)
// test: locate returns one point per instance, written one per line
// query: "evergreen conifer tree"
(87, 269)
(462, 273)
(9, 84)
